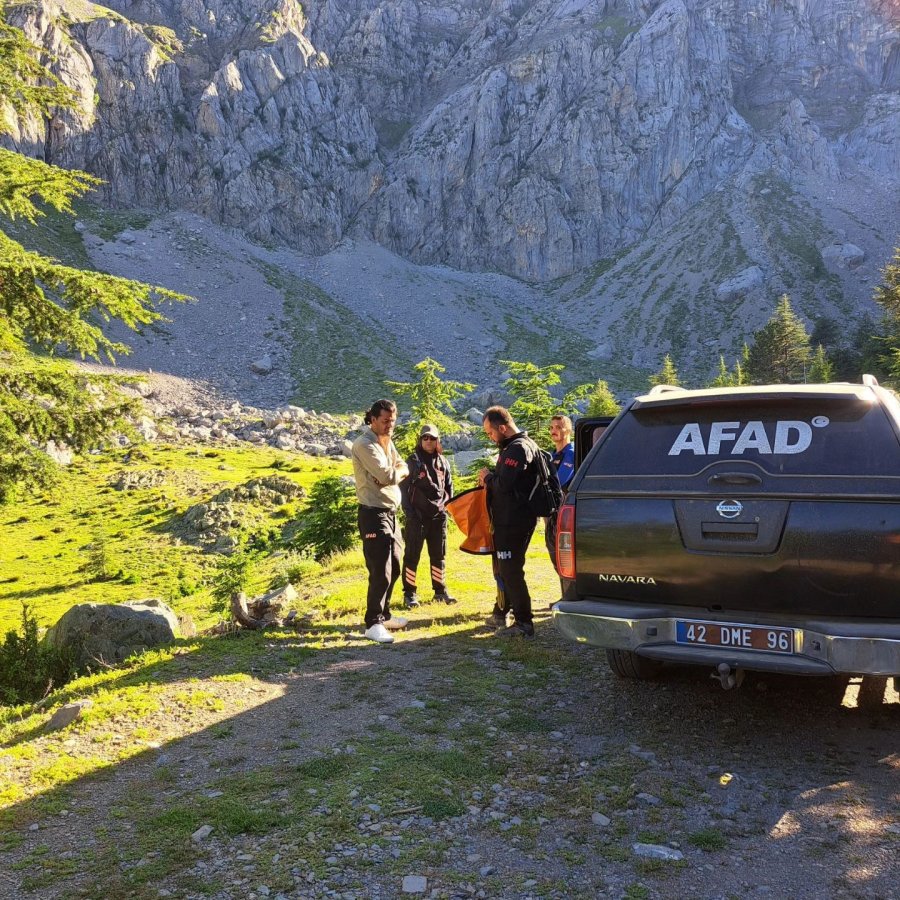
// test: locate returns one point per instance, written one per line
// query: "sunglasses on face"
(429, 437)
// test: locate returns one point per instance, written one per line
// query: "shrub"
(291, 570)
(29, 670)
(232, 576)
(264, 540)
(328, 524)
(99, 563)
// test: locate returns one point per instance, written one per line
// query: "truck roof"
(667, 395)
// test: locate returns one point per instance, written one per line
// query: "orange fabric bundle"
(470, 512)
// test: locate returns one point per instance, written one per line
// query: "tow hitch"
(729, 678)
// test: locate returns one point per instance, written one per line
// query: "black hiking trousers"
(510, 547)
(382, 550)
(418, 533)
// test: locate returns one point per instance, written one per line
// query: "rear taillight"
(565, 541)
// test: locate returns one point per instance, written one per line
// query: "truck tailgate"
(824, 557)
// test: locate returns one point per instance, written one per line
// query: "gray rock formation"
(110, 632)
(741, 285)
(843, 256)
(528, 136)
(216, 523)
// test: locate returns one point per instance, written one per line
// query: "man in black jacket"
(509, 487)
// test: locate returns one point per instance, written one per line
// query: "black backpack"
(546, 496)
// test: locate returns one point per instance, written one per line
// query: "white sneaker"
(395, 623)
(379, 633)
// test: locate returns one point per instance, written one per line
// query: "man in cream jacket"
(378, 470)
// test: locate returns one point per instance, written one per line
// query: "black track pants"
(382, 549)
(510, 547)
(419, 532)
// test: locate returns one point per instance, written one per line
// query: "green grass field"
(45, 541)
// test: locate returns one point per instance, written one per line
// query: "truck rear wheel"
(627, 664)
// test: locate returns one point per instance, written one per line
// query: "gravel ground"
(459, 318)
(215, 340)
(787, 787)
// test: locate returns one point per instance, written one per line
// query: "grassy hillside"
(45, 542)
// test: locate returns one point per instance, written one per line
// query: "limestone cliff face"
(531, 137)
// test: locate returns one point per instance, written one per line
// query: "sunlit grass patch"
(10, 793)
(232, 677)
(21, 752)
(65, 767)
(198, 699)
(123, 704)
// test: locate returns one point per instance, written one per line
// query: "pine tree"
(739, 376)
(733, 378)
(780, 352)
(887, 296)
(601, 401)
(820, 369)
(534, 405)
(432, 400)
(668, 374)
(723, 377)
(328, 524)
(233, 574)
(48, 308)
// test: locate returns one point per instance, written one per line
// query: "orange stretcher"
(469, 511)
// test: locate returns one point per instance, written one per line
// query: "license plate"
(738, 637)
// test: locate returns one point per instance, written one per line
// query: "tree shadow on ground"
(48, 590)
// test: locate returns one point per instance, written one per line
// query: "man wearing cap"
(425, 492)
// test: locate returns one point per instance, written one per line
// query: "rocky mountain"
(664, 169)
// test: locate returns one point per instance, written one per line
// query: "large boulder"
(843, 256)
(111, 632)
(740, 286)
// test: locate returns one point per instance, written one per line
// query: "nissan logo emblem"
(728, 509)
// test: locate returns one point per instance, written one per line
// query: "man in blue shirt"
(564, 455)
(563, 460)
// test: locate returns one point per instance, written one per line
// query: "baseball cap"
(429, 429)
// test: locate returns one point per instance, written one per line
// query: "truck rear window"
(800, 437)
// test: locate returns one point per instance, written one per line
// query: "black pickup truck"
(741, 528)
